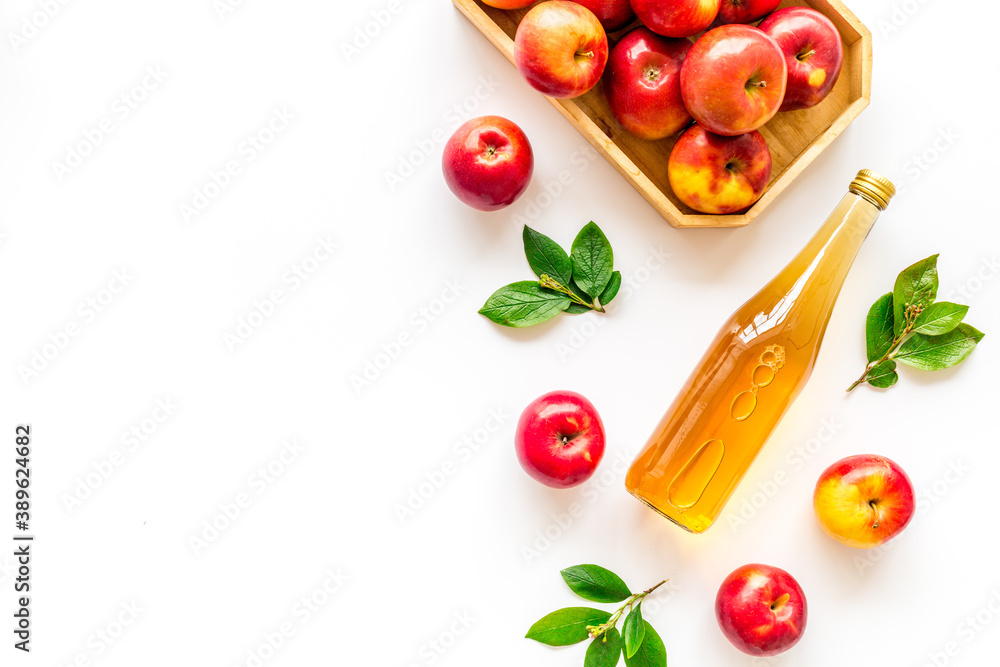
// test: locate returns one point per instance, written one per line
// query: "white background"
(473, 549)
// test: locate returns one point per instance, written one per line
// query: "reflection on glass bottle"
(752, 371)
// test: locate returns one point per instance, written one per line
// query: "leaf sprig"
(577, 282)
(638, 641)
(908, 326)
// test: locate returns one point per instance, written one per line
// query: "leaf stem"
(909, 318)
(551, 283)
(635, 598)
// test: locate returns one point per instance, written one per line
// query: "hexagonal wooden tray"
(795, 137)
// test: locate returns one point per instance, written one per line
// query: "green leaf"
(546, 256)
(523, 304)
(932, 353)
(634, 630)
(593, 260)
(915, 285)
(566, 626)
(651, 652)
(595, 583)
(611, 291)
(883, 375)
(878, 328)
(940, 318)
(605, 650)
(576, 309)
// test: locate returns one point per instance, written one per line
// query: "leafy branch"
(580, 281)
(638, 641)
(908, 326)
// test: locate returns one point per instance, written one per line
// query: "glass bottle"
(752, 372)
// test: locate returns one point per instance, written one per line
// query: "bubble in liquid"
(692, 480)
(743, 405)
(763, 375)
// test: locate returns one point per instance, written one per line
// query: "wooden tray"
(794, 137)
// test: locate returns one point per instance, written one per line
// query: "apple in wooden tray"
(643, 84)
(745, 11)
(676, 18)
(613, 14)
(716, 174)
(813, 50)
(561, 48)
(733, 79)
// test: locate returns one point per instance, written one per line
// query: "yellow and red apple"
(733, 79)
(561, 48)
(813, 52)
(676, 18)
(864, 501)
(643, 84)
(715, 174)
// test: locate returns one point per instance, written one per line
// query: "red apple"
(733, 79)
(643, 84)
(676, 18)
(488, 163)
(864, 500)
(561, 48)
(744, 11)
(716, 174)
(560, 439)
(613, 14)
(813, 52)
(761, 610)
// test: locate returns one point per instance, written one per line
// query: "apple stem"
(874, 506)
(805, 56)
(757, 84)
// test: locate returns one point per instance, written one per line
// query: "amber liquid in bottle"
(752, 372)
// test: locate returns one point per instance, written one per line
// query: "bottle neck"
(830, 253)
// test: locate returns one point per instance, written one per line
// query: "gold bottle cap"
(873, 186)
